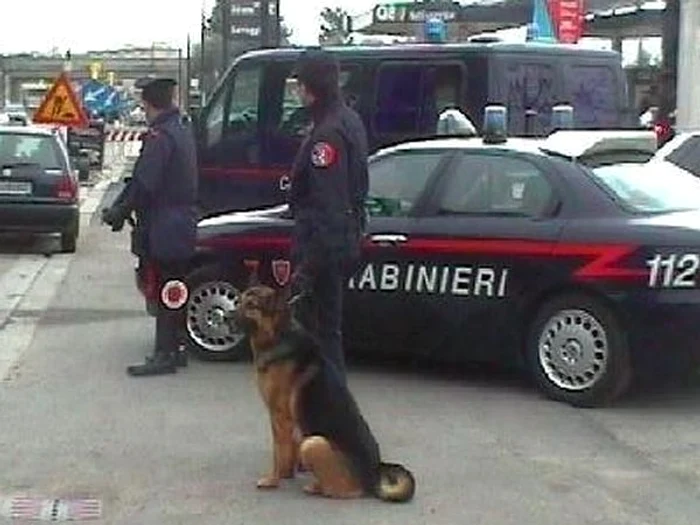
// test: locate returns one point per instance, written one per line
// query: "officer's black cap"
(155, 88)
(319, 71)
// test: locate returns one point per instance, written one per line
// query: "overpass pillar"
(688, 116)
(5, 87)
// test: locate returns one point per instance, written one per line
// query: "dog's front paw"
(313, 489)
(268, 482)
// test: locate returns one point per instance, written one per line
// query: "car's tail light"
(66, 188)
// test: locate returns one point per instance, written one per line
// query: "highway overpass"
(127, 65)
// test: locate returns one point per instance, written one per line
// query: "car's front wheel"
(213, 296)
(578, 353)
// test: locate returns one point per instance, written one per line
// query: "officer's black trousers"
(320, 309)
(169, 323)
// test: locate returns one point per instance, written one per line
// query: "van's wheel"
(213, 296)
(578, 352)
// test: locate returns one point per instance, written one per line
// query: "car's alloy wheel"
(210, 334)
(573, 350)
(578, 352)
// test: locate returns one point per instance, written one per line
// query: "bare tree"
(334, 26)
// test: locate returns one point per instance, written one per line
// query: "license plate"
(15, 188)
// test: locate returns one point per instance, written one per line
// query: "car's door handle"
(388, 238)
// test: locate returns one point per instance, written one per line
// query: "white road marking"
(31, 284)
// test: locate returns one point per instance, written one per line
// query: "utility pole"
(278, 25)
(265, 23)
(202, 43)
(179, 76)
(225, 33)
(188, 74)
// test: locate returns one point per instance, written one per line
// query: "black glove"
(113, 217)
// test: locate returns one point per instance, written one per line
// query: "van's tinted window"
(294, 118)
(593, 91)
(234, 111)
(529, 85)
(398, 99)
(243, 111)
(410, 97)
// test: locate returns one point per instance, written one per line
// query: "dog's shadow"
(474, 374)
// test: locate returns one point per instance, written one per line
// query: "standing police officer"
(328, 193)
(162, 193)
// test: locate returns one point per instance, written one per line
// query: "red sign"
(568, 19)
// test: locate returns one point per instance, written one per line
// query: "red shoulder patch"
(323, 155)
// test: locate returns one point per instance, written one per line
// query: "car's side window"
(495, 185)
(397, 181)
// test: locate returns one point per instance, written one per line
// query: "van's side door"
(229, 147)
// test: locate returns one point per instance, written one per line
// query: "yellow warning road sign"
(61, 106)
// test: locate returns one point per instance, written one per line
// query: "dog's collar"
(284, 350)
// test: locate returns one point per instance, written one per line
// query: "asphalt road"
(187, 449)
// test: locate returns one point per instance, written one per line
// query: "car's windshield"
(643, 189)
(19, 149)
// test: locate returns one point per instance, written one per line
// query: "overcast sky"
(81, 25)
(40, 25)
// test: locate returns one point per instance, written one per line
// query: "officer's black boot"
(160, 364)
(164, 360)
(180, 356)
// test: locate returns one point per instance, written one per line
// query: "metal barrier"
(122, 147)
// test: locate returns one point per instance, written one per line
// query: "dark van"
(251, 127)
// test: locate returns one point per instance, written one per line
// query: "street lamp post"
(179, 75)
(188, 73)
(265, 23)
(202, 44)
(225, 32)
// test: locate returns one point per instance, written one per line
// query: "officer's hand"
(114, 218)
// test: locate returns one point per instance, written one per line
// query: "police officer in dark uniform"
(162, 193)
(327, 198)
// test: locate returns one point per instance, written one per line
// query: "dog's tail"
(396, 483)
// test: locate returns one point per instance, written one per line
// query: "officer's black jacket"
(163, 191)
(329, 186)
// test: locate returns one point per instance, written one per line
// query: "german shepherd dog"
(316, 423)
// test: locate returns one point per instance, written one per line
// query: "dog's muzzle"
(240, 321)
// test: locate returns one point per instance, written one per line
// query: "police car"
(493, 249)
